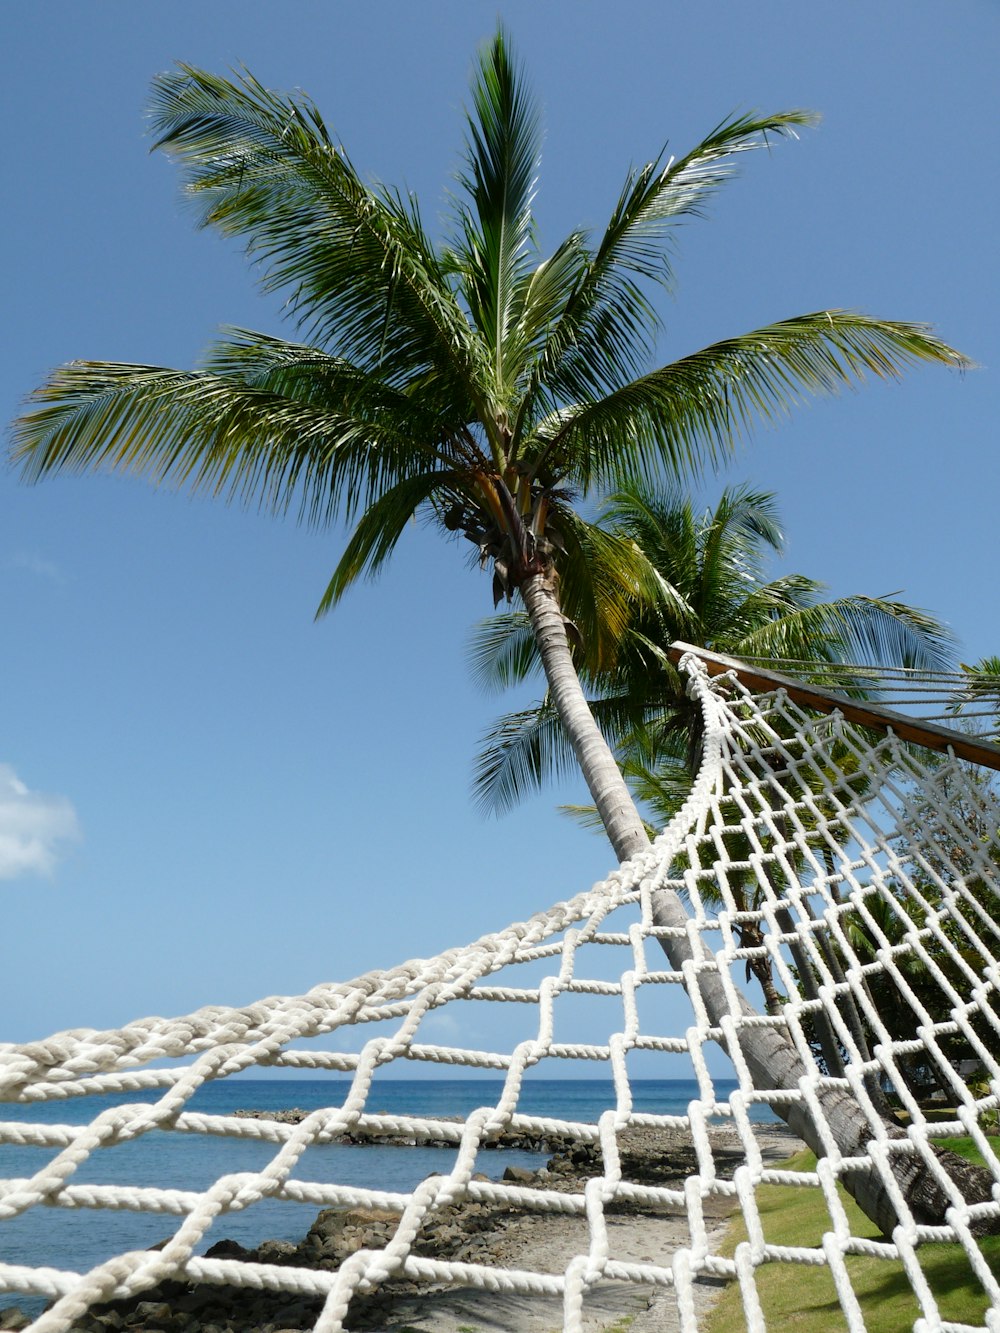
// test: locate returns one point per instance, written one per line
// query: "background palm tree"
(979, 697)
(480, 381)
(705, 585)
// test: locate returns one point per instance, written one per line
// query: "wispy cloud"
(35, 564)
(33, 827)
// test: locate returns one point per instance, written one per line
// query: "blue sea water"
(78, 1239)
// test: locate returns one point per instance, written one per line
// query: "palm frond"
(379, 530)
(858, 628)
(519, 754)
(749, 519)
(602, 578)
(211, 433)
(359, 271)
(673, 612)
(503, 150)
(732, 544)
(762, 603)
(522, 751)
(896, 634)
(663, 790)
(662, 523)
(693, 411)
(309, 374)
(587, 817)
(502, 651)
(982, 685)
(541, 299)
(705, 564)
(608, 326)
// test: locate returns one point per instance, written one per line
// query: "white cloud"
(33, 827)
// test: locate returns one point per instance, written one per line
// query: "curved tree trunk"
(600, 769)
(770, 1057)
(849, 1011)
(824, 1028)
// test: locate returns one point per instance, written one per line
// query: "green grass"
(966, 1147)
(802, 1297)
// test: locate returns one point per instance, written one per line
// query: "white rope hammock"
(806, 845)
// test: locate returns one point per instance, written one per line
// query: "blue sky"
(204, 796)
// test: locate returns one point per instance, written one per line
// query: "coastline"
(500, 1236)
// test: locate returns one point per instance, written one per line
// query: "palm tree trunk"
(770, 1056)
(612, 797)
(825, 1034)
(849, 1012)
(764, 972)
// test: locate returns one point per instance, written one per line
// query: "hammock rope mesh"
(861, 875)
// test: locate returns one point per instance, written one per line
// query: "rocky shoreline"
(484, 1233)
(506, 1139)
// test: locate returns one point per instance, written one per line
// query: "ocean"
(78, 1239)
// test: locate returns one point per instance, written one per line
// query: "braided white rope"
(806, 813)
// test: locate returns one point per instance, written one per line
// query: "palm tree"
(980, 695)
(477, 380)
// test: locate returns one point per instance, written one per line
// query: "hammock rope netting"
(857, 873)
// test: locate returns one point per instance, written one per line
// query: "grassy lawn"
(802, 1296)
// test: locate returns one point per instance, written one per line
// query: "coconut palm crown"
(477, 380)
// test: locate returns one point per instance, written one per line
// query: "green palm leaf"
(601, 577)
(212, 433)
(606, 330)
(502, 651)
(692, 411)
(360, 273)
(982, 685)
(519, 753)
(523, 751)
(860, 629)
(380, 528)
(500, 179)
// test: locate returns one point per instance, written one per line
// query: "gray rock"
(111, 1320)
(227, 1249)
(520, 1175)
(13, 1319)
(277, 1252)
(149, 1312)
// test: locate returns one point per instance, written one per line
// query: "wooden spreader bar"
(868, 715)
